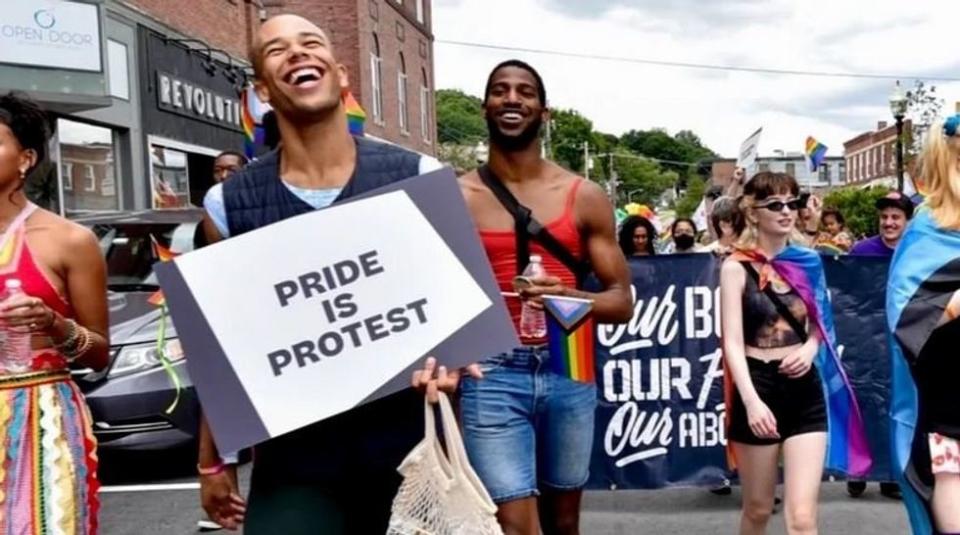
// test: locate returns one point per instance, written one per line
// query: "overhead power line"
(704, 66)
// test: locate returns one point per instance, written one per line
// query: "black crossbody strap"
(526, 226)
(521, 214)
(781, 307)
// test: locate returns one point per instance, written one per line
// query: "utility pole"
(546, 151)
(614, 182)
(586, 160)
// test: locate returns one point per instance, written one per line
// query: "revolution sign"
(309, 317)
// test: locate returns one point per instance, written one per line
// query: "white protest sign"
(348, 298)
(749, 151)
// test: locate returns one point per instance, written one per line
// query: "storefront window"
(171, 179)
(87, 167)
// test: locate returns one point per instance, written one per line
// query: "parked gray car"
(130, 399)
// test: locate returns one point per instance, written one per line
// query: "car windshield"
(129, 254)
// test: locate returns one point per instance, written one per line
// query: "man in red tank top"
(528, 431)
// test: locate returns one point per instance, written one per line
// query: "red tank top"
(501, 247)
(17, 262)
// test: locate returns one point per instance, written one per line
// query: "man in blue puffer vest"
(338, 476)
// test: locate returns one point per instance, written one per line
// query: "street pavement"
(152, 495)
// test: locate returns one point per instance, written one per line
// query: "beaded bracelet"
(211, 470)
(70, 342)
(77, 343)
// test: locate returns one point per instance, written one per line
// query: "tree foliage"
(858, 207)
(923, 107)
(460, 126)
(569, 130)
(688, 203)
(641, 180)
(459, 118)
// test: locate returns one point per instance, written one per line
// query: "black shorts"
(797, 404)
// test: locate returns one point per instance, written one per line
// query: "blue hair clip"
(951, 125)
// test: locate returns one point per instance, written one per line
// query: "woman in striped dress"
(48, 461)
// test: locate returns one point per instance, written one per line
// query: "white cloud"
(879, 36)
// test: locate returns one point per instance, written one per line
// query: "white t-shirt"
(317, 198)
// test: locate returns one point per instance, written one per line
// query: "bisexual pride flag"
(570, 335)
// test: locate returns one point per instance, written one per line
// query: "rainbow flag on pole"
(252, 110)
(355, 114)
(815, 152)
(570, 334)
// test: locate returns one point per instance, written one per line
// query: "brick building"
(871, 157)
(831, 172)
(153, 87)
(387, 47)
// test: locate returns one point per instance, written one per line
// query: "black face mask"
(683, 241)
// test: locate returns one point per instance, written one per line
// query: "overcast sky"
(915, 38)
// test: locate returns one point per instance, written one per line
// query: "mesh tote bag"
(440, 493)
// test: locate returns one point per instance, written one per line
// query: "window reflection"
(171, 181)
(87, 167)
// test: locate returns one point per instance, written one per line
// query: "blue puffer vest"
(365, 445)
(255, 197)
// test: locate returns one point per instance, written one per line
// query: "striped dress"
(48, 460)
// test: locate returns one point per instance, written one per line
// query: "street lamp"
(898, 107)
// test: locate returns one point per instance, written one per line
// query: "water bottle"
(15, 351)
(533, 321)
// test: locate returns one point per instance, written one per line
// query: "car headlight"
(140, 357)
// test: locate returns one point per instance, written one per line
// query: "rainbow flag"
(355, 114)
(815, 152)
(162, 254)
(570, 335)
(252, 110)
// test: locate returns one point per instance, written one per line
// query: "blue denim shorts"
(526, 427)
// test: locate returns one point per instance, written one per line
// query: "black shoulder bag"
(781, 307)
(527, 227)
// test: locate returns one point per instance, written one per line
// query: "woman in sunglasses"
(778, 348)
(923, 315)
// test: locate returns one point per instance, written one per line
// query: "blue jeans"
(526, 427)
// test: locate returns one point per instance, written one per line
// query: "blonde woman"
(778, 350)
(923, 303)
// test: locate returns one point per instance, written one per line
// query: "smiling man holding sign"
(327, 321)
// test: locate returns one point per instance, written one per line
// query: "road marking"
(150, 488)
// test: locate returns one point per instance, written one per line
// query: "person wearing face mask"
(684, 234)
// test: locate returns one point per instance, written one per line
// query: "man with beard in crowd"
(527, 430)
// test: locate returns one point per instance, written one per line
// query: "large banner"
(660, 420)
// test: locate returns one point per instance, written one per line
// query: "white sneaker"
(205, 524)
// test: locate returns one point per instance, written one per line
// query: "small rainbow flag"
(355, 114)
(815, 152)
(252, 110)
(162, 254)
(570, 335)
